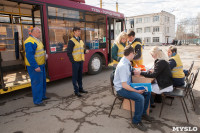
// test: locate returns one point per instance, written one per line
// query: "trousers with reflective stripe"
(78, 51)
(39, 53)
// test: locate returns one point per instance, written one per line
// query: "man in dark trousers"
(75, 52)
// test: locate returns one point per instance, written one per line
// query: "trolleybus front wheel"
(95, 64)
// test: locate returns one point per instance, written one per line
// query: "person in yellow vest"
(143, 44)
(137, 45)
(35, 62)
(176, 66)
(118, 48)
(75, 52)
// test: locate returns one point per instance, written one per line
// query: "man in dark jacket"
(75, 52)
(137, 45)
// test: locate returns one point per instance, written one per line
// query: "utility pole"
(116, 6)
(100, 3)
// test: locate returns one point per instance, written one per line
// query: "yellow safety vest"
(177, 72)
(78, 51)
(120, 52)
(140, 60)
(39, 53)
(143, 44)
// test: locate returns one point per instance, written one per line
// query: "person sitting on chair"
(161, 72)
(122, 80)
(176, 66)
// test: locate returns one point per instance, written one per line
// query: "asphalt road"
(65, 113)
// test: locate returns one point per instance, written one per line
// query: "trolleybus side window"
(61, 22)
(102, 36)
(60, 32)
(15, 29)
(4, 18)
(95, 30)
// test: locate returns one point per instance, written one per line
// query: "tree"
(198, 20)
(188, 28)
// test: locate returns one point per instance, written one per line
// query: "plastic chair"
(189, 71)
(117, 96)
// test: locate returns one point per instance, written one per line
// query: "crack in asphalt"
(61, 130)
(66, 104)
(81, 107)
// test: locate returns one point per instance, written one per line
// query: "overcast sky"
(180, 8)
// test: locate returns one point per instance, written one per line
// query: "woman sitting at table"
(161, 72)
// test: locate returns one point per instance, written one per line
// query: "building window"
(147, 29)
(156, 39)
(147, 40)
(166, 19)
(155, 18)
(139, 20)
(146, 19)
(167, 29)
(131, 21)
(139, 30)
(156, 29)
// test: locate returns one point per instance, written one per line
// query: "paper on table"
(149, 66)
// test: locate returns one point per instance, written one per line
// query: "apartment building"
(155, 28)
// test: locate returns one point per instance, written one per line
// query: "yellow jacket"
(39, 53)
(140, 60)
(177, 72)
(120, 52)
(78, 51)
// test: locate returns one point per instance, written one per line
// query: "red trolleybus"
(56, 18)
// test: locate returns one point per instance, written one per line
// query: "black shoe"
(47, 98)
(147, 118)
(83, 91)
(140, 126)
(40, 104)
(78, 94)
